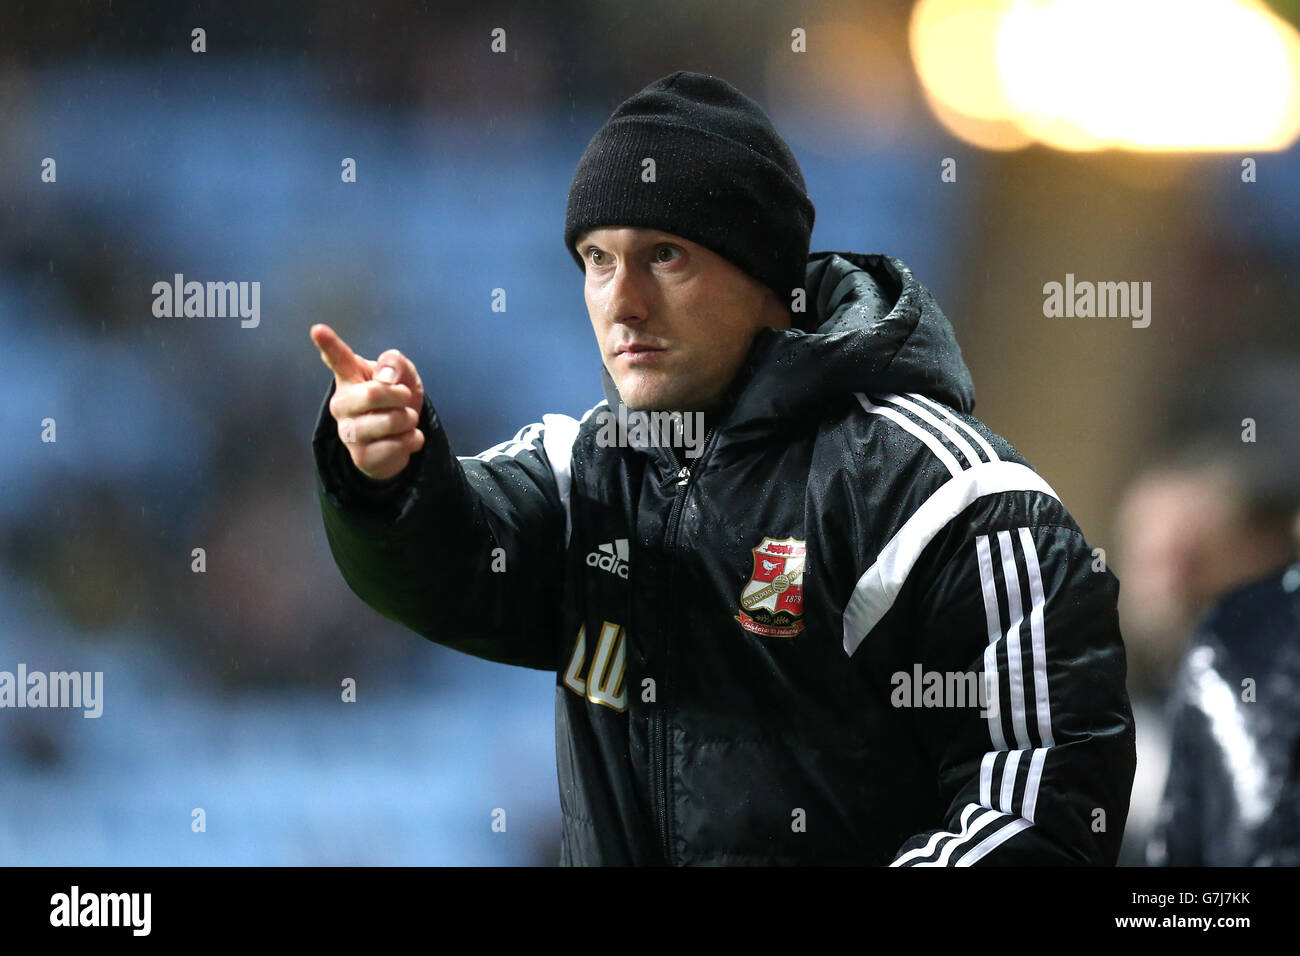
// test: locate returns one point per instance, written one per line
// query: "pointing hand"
(376, 404)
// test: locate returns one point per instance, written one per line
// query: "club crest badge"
(771, 603)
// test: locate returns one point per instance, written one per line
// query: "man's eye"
(665, 248)
(593, 251)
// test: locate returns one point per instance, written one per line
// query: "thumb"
(346, 365)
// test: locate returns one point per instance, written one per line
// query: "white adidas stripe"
(967, 834)
(561, 433)
(942, 427)
(960, 842)
(1030, 803)
(976, 853)
(971, 826)
(994, 626)
(923, 851)
(1009, 780)
(976, 436)
(1015, 660)
(933, 443)
(878, 587)
(558, 433)
(914, 418)
(522, 441)
(1039, 639)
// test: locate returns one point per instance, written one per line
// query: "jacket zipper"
(658, 717)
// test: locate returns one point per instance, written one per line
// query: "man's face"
(673, 319)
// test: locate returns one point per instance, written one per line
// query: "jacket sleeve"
(467, 552)
(1039, 772)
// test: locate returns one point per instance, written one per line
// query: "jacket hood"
(870, 326)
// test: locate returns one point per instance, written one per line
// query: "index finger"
(336, 354)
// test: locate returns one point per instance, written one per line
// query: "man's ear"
(775, 306)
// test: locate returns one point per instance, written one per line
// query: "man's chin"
(656, 400)
(644, 405)
(643, 397)
(656, 393)
(652, 400)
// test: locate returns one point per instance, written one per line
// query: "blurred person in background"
(1232, 797)
(1212, 513)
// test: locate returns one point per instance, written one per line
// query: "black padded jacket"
(857, 628)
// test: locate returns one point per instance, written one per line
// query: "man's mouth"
(638, 352)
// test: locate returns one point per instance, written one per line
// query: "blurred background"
(995, 147)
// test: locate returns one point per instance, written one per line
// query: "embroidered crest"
(771, 603)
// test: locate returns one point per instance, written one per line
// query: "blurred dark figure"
(1209, 514)
(1232, 797)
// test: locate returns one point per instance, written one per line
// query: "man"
(1232, 797)
(748, 626)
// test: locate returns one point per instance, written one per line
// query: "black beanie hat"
(724, 178)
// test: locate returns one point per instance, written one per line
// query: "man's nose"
(628, 299)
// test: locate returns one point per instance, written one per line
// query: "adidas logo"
(611, 558)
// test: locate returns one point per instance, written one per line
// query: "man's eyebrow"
(651, 239)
